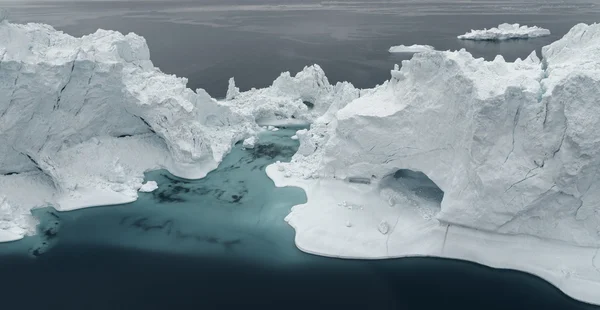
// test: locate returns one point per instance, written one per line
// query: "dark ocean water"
(221, 242)
(210, 41)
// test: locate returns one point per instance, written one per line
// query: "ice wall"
(514, 146)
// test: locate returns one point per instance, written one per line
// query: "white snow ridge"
(491, 161)
(505, 32)
(415, 48)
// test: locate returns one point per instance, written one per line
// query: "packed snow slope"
(505, 32)
(81, 119)
(514, 147)
(415, 48)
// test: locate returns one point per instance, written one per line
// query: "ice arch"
(411, 188)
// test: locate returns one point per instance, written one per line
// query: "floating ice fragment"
(250, 143)
(505, 32)
(149, 186)
(415, 48)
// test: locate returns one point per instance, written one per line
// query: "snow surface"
(514, 147)
(415, 48)
(505, 32)
(148, 187)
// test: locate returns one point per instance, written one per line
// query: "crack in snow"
(57, 104)
(521, 212)
(594, 260)
(12, 95)
(520, 181)
(445, 239)
(387, 239)
(87, 91)
(515, 121)
(561, 142)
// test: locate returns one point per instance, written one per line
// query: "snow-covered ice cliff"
(515, 148)
(81, 119)
(415, 48)
(505, 32)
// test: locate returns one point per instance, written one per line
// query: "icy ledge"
(515, 148)
(415, 48)
(81, 120)
(505, 32)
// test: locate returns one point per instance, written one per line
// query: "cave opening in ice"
(408, 188)
(308, 104)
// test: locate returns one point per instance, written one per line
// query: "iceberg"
(505, 32)
(513, 147)
(82, 119)
(490, 161)
(415, 48)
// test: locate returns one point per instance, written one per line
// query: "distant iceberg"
(505, 32)
(415, 48)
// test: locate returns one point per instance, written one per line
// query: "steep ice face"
(505, 32)
(82, 118)
(415, 48)
(513, 146)
(512, 149)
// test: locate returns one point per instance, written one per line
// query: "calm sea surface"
(221, 242)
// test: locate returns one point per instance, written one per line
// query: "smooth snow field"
(221, 242)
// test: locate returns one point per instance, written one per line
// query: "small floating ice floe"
(415, 48)
(294, 137)
(505, 32)
(249, 143)
(149, 186)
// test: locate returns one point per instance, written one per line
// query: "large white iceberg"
(515, 148)
(415, 48)
(81, 119)
(505, 32)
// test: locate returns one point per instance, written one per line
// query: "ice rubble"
(505, 32)
(514, 147)
(415, 48)
(298, 99)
